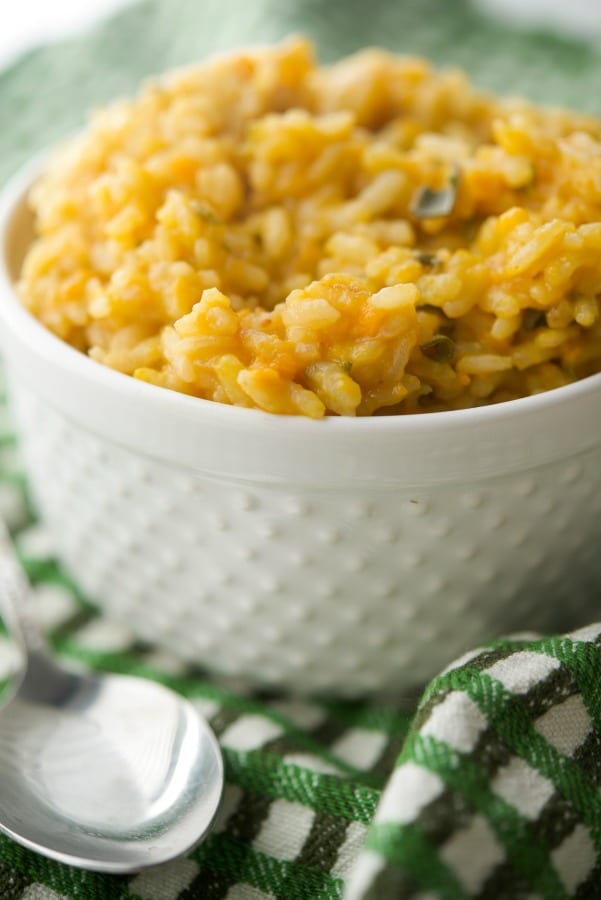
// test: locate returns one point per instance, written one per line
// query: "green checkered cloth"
(490, 787)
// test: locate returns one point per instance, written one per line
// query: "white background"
(28, 22)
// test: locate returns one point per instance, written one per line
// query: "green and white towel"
(490, 787)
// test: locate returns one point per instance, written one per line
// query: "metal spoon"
(106, 772)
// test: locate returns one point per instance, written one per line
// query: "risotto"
(369, 237)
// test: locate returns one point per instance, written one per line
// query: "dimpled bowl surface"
(341, 555)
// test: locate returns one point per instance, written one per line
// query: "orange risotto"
(372, 236)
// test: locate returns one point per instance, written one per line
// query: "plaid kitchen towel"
(490, 786)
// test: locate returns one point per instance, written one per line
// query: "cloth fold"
(489, 787)
(496, 790)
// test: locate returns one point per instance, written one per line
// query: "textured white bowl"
(340, 555)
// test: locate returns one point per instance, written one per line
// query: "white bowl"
(343, 555)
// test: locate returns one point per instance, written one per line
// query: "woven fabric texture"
(490, 786)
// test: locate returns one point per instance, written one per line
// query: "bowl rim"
(342, 430)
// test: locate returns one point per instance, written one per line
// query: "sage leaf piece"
(426, 258)
(533, 318)
(441, 348)
(430, 203)
(204, 211)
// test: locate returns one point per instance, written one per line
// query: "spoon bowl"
(106, 772)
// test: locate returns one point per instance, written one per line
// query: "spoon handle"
(14, 591)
